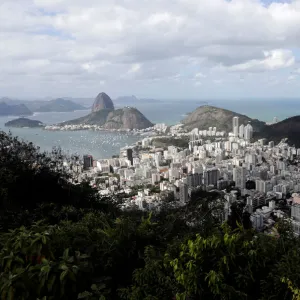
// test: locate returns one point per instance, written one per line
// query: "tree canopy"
(60, 240)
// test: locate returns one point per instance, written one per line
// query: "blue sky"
(191, 49)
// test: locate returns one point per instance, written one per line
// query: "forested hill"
(207, 116)
(59, 240)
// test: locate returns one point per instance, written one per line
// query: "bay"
(105, 144)
(99, 144)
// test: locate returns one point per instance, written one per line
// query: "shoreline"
(83, 127)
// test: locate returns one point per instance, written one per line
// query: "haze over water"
(105, 144)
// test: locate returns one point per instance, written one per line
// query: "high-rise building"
(271, 144)
(239, 177)
(155, 178)
(194, 180)
(211, 177)
(158, 158)
(248, 132)
(183, 192)
(235, 126)
(87, 161)
(241, 131)
(127, 153)
(295, 214)
(257, 221)
(202, 154)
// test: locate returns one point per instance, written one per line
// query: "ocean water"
(97, 143)
(105, 144)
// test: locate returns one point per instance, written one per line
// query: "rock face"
(24, 122)
(14, 110)
(95, 118)
(101, 102)
(127, 118)
(123, 118)
(103, 114)
(209, 116)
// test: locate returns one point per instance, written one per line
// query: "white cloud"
(292, 78)
(134, 68)
(218, 81)
(199, 75)
(81, 43)
(273, 60)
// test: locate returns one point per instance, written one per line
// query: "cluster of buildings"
(265, 176)
(242, 131)
(158, 128)
(211, 132)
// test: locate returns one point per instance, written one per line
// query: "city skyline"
(153, 50)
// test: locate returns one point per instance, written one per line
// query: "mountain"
(127, 118)
(14, 110)
(32, 105)
(288, 128)
(122, 118)
(59, 105)
(94, 118)
(103, 114)
(86, 102)
(210, 116)
(102, 101)
(24, 122)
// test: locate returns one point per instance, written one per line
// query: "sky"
(165, 49)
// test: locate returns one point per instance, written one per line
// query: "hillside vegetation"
(60, 240)
(23, 122)
(288, 128)
(209, 116)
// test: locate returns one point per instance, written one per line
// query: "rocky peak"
(102, 101)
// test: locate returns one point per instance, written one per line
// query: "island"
(24, 122)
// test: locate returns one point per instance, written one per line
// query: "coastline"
(147, 131)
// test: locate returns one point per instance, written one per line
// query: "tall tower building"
(87, 161)
(235, 126)
(127, 153)
(239, 176)
(211, 177)
(183, 192)
(241, 131)
(248, 132)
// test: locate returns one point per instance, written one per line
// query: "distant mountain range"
(14, 110)
(68, 104)
(60, 105)
(103, 114)
(25, 108)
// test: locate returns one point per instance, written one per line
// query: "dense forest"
(61, 240)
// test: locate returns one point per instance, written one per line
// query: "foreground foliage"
(63, 242)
